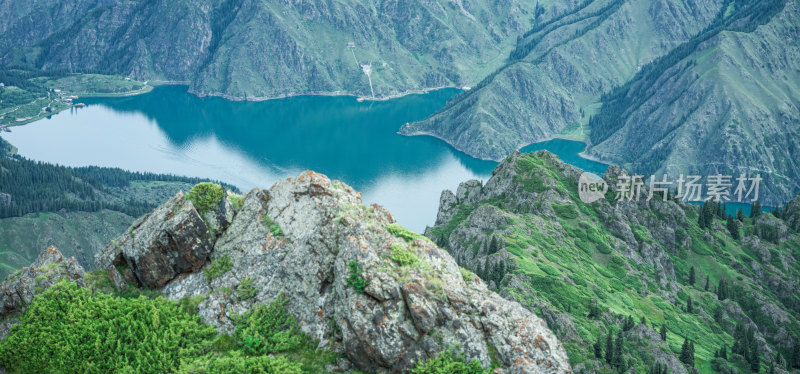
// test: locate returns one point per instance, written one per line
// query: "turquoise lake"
(253, 144)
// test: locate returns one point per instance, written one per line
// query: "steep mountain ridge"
(624, 284)
(354, 280)
(559, 70)
(728, 103)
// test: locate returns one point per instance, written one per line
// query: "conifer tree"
(740, 215)
(691, 276)
(618, 361)
(707, 283)
(755, 209)
(689, 308)
(493, 246)
(753, 357)
(598, 349)
(687, 353)
(722, 290)
(663, 332)
(733, 228)
(609, 347)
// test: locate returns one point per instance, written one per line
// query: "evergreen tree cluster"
(746, 345)
(492, 271)
(41, 187)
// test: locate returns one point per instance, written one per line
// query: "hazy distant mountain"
(703, 87)
(248, 48)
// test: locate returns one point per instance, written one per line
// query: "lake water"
(253, 144)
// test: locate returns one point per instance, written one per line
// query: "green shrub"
(467, 275)
(205, 196)
(221, 266)
(402, 255)
(566, 211)
(235, 362)
(245, 290)
(67, 329)
(401, 232)
(448, 363)
(356, 280)
(273, 227)
(268, 329)
(237, 200)
(549, 270)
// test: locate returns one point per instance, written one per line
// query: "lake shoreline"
(421, 91)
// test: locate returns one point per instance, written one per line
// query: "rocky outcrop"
(17, 292)
(171, 240)
(307, 239)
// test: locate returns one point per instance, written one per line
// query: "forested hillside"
(77, 209)
(651, 286)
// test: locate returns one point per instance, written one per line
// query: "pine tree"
(733, 228)
(723, 352)
(618, 361)
(689, 308)
(707, 283)
(687, 353)
(755, 209)
(754, 359)
(628, 324)
(740, 215)
(722, 290)
(691, 276)
(493, 246)
(598, 349)
(609, 348)
(664, 332)
(702, 218)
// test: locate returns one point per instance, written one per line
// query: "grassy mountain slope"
(257, 49)
(727, 102)
(79, 234)
(558, 71)
(627, 269)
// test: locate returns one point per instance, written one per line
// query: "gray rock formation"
(171, 240)
(17, 292)
(302, 239)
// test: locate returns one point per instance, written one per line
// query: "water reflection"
(252, 144)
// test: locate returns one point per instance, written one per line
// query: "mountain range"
(656, 86)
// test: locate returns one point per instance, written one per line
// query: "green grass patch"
(273, 227)
(356, 279)
(220, 266)
(402, 255)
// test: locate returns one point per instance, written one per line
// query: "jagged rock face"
(51, 266)
(171, 240)
(406, 312)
